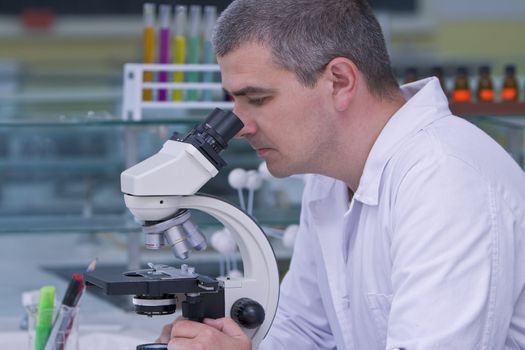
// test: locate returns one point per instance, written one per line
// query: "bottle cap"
(462, 70)
(484, 70)
(510, 69)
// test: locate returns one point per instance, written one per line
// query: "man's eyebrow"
(251, 90)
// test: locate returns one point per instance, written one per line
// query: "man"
(411, 232)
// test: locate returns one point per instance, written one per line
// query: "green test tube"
(44, 318)
(194, 51)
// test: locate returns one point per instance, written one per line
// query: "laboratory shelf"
(67, 223)
(78, 166)
(124, 223)
(488, 109)
(61, 174)
(104, 121)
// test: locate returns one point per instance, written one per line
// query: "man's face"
(284, 121)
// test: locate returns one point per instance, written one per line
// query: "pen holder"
(62, 334)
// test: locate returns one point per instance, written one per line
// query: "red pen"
(66, 315)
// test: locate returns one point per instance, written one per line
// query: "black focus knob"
(248, 313)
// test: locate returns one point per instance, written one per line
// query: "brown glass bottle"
(509, 91)
(461, 92)
(485, 86)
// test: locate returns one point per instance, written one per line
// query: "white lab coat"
(430, 253)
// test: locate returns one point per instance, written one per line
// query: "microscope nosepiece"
(179, 232)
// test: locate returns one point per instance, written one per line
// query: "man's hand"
(165, 334)
(222, 333)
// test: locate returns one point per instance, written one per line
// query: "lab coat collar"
(425, 104)
(321, 188)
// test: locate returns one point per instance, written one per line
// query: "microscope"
(159, 192)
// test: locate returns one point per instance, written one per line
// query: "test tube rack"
(134, 85)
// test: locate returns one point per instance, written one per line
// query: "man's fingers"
(164, 336)
(215, 323)
(225, 325)
(181, 344)
(223, 333)
(187, 329)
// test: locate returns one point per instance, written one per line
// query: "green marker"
(44, 319)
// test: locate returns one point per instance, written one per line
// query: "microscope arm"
(261, 277)
(159, 191)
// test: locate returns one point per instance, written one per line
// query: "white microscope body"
(163, 186)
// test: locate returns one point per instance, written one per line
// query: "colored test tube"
(44, 320)
(149, 45)
(179, 51)
(66, 314)
(194, 47)
(164, 46)
(210, 18)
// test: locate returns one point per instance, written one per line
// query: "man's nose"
(249, 126)
(246, 131)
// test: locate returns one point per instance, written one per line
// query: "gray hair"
(305, 35)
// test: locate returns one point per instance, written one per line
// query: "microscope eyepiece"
(212, 136)
(226, 124)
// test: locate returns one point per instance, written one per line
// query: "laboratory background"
(88, 89)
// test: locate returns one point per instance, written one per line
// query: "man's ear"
(344, 76)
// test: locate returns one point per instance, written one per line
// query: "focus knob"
(248, 313)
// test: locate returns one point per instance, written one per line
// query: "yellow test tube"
(179, 48)
(149, 46)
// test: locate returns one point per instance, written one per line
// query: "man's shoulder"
(452, 140)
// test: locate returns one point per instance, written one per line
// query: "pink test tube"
(164, 46)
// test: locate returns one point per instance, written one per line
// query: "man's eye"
(257, 101)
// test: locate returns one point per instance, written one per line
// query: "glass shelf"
(64, 122)
(124, 223)
(62, 174)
